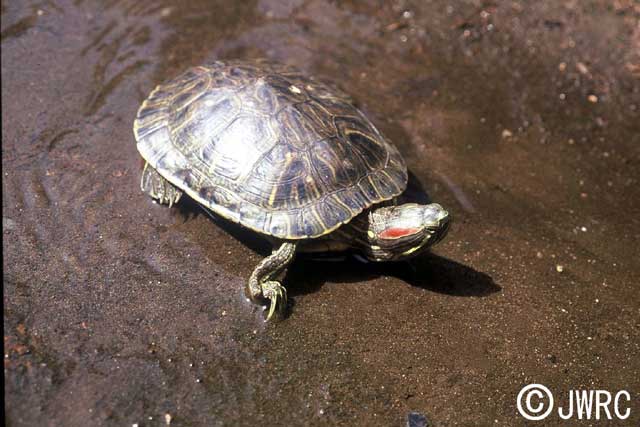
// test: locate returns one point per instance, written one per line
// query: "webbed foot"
(277, 296)
(159, 188)
(261, 286)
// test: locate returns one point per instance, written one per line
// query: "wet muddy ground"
(522, 118)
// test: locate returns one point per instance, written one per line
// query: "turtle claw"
(277, 296)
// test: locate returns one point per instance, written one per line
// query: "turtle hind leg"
(157, 187)
(261, 284)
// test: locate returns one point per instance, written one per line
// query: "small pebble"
(592, 98)
(507, 133)
(167, 418)
(559, 268)
(8, 223)
(417, 419)
(582, 68)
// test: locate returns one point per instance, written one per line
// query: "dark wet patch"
(19, 28)
(521, 118)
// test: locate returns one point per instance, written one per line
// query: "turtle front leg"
(158, 187)
(261, 283)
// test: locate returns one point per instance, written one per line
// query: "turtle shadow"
(415, 192)
(428, 271)
(439, 274)
(309, 272)
(187, 208)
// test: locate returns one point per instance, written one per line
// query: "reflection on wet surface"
(520, 117)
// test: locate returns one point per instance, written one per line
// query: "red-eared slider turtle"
(286, 156)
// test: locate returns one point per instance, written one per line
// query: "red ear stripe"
(394, 233)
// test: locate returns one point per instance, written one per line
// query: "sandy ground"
(522, 118)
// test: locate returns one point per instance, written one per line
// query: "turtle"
(286, 155)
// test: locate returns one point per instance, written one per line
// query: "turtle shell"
(263, 145)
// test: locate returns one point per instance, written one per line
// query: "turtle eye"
(397, 232)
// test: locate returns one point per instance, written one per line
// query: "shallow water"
(521, 118)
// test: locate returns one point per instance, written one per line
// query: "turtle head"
(400, 232)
